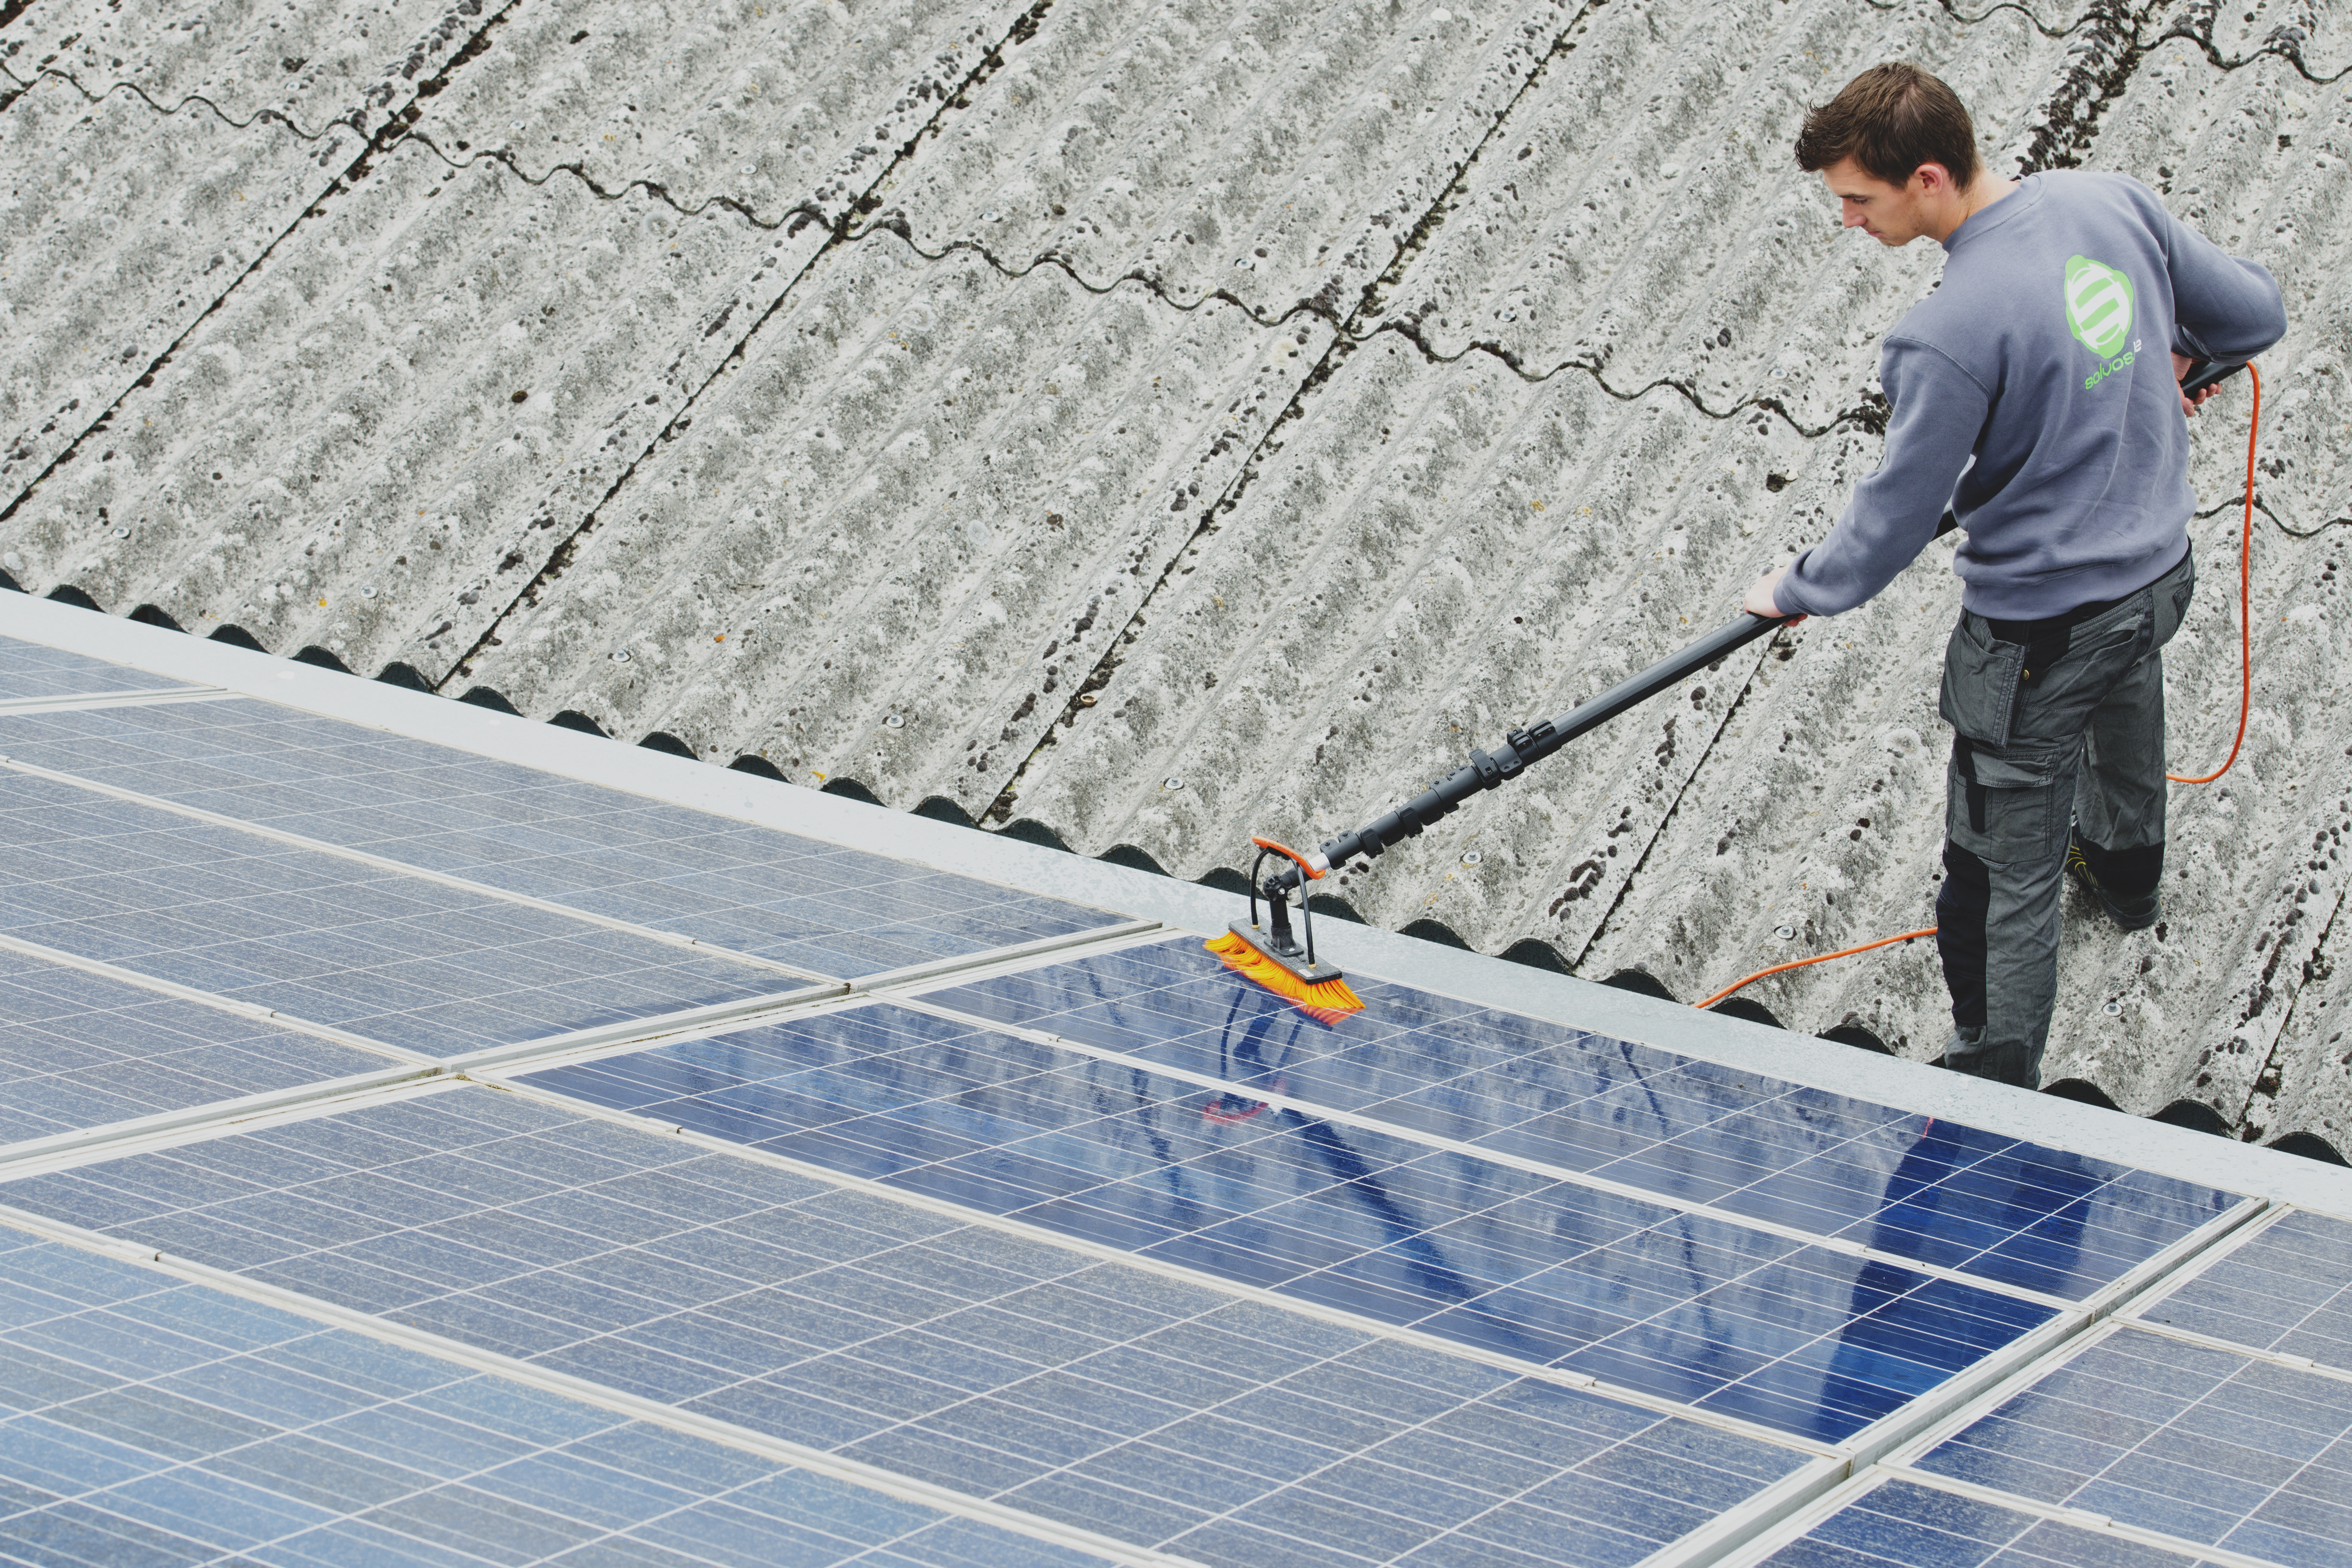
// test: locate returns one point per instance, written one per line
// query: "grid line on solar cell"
(1900, 1523)
(393, 958)
(32, 671)
(1107, 1398)
(152, 1420)
(2209, 1445)
(755, 890)
(2287, 1289)
(78, 1052)
(1989, 1206)
(1715, 1314)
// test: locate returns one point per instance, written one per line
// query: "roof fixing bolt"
(1786, 934)
(367, 592)
(122, 534)
(1172, 782)
(1471, 857)
(893, 722)
(622, 657)
(2114, 1009)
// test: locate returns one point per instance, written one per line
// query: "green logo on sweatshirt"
(2098, 305)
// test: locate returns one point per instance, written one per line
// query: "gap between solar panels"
(219, 1116)
(636, 1407)
(1767, 1545)
(148, 698)
(2084, 1428)
(1905, 1464)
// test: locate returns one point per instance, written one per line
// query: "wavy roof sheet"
(1135, 426)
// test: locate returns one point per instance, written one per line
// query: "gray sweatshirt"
(2044, 355)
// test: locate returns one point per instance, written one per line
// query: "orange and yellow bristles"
(1326, 1002)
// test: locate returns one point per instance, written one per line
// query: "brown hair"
(1890, 119)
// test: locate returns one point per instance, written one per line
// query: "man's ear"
(1931, 178)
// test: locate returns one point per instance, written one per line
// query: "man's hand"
(1760, 600)
(2181, 366)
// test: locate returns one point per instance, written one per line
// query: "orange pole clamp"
(1306, 870)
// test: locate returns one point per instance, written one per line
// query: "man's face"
(1890, 215)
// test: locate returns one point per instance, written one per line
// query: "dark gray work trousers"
(2058, 729)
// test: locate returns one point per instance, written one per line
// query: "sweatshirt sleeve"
(1938, 413)
(2223, 308)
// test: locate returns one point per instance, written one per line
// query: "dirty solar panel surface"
(828, 910)
(1943, 1194)
(2288, 1289)
(1904, 1525)
(2201, 1444)
(398, 959)
(30, 671)
(80, 1050)
(153, 1421)
(1683, 1306)
(1089, 1392)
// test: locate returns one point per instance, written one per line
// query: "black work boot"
(2088, 861)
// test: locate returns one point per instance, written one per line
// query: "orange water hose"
(2245, 697)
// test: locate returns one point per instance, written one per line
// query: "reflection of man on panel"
(2036, 391)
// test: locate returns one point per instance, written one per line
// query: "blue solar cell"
(795, 901)
(2288, 1289)
(1086, 1391)
(30, 671)
(397, 959)
(2206, 1445)
(1900, 1524)
(78, 1051)
(1691, 1307)
(1934, 1191)
(153, 1421)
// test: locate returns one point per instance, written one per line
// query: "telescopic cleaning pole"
(1520, 749)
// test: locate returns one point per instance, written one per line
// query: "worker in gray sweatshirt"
(2036, 392)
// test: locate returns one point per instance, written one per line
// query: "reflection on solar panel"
(174, 1424)
(1089, 1253)
(2287, 1290)
(1903, 1524)
(29, 671)
(78, 1051)
(1084, 1392)
(2204, 1445)
(1940, 1192)
(816, 906)
(1685, 1306)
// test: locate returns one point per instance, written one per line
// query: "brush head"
(1317, 990)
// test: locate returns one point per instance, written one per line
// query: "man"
(2032, 393)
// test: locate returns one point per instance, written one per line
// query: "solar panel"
(2288, 1289)
(397, 959)
(1685, 1306)
(1108, 1252)
(157, 1422)
(1079, 1390)
(78, 1051)
(30, 670)
(2208, 1445)
(1901, 1524)
(794, 901)
(1995, 1207)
